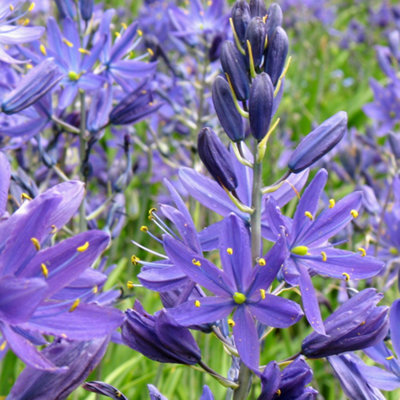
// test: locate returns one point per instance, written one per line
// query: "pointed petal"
(395, 325)
(5, 175)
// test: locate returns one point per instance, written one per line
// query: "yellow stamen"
(262, 262)
(262, 294)
(265, 18)
(309, 215)
(144, 228)
(279, 392)
(152, 210)
(45, 271)
(95, 289)
(11, 7)
(390, 357)
(74, 305)
(229, 250)
(83, 51)
(231, 322)
(139, 32)
(67, 42)
(129, 285)
(53, 229)
(197, 303)
(209, 3)
(31, 7)
(332, 203)
(29, 66)
(43, 50)
(324, 256)
(354, 213)
(393, 251)
(83, 248)
(196, 262)
(362, 250)
(150, 51)
(118, 393)
(123, 24)
(117, 34)
(134, 259)
(3, 345)
(26, 21)
(346, 275)
(25, 196)
(36, 243)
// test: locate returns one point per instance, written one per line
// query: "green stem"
(82, 154)
(245, 374)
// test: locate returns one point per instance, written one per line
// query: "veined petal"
(202, 311)
(379, 377)
(209, 236)
(276, 311)
(246, 337)
(5, 175)
(162, 279)
(123, 43)
(206, 274)
(12, 34)
(395, 325)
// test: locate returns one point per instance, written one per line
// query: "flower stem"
(82, 155)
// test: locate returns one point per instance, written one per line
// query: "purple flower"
(156, 395)
(105, 389)
(239, 288)
(309, 250)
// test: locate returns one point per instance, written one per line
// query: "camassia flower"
(33, 275)
(238, 288)
(310, 252)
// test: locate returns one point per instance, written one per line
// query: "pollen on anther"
(346, 276)
(197, 303)
(31, 7)
(43, 49)
(25, 196)
(196, 262)
(362, 250)
(83, 51)
(139, 32)
(324, 256)
(332, 203)
(262, 293)
(3, 345)
(354, 213)
(278, 392)
(150, 51)
(129, 285)
(36, 243)
(231, 322)
(134, 259)
(144, 228)
(309, 215)
(229, 250)
(390, 357)
(45, 271)
(83, 248)
(123, 24)
(95, 289)
(75, 304)
(67, 42)
(262, 262)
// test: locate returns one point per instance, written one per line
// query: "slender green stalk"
(82, 155)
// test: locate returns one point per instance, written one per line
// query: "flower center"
(300, 250)
(239, 298)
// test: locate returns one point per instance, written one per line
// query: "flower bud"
(319, 142)
(216, 158)
(32, 87)
(275, 56)
(105, 389)
(214, 52)
(241, 18)
(275, 17)
(257, 8)
(225, 108)
(260, 105)
(256, 34)
(234, 66)
(86, 8)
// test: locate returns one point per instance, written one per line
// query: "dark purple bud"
(65, 8)
(319, 142)
(86, 8)
(234, 66)
(134, 107)
(159, 337)
(275, 17)
(32, 87)
(241, 18)
(256, 34)
(394, 142)
(216, 159)
(355, 325)
(260, 105)
(258, 8)
(226, 110)
(275, 55)
(214, 52)
(105, 389)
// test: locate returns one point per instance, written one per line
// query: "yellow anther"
(231, 322)
(43, 50)
(144, 228)
(262, 262)
(265, 18)
(324, 256)
(95, 289)
(74, 305)
(354, 213)
(83, 51)
(29, 66)
(63, 335)
(117, 34)
(390, 357)
(309, 215)
(346, 275)
(53, 229)
(196, 262)
(31, 7)
(262, 294)
(45, 271)
(393, 251)
(25, 196)
(25, 21)
(197, 303)
(362, 250)
(3, 345)
(83, 248)
(139, 32)
(67, 42)
(332, 203)
(11, 7)
(279, 392)
(118, 393)
(123, 24)
(229, 250)
(134, 259)
(36, 243)
(129, 285)
(209, 3)
(150, 51)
